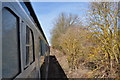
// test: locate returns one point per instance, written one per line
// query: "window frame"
(17, 37)
(26, 45)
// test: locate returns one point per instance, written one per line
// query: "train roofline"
(32, 13)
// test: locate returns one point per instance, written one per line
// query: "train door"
(39, 57)
(42, 60)
(28, 54)
(27, 51)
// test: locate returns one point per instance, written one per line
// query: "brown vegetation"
(97, 45)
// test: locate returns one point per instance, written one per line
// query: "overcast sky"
(48, 11)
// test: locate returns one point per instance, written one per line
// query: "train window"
(42, 47)
(10, 44)
(29, 46)
(41, 50)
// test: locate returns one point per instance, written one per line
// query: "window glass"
(42, 47)
(29, 46)
(10, 54)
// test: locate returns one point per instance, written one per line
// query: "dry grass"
(82, 72)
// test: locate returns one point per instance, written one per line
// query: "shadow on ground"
(55, 71)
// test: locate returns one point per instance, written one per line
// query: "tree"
(76, 45)
(103, 25)
(61, 24)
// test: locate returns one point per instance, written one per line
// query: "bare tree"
(61, 24)
(103, 23)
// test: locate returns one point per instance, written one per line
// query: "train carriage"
(24, 44)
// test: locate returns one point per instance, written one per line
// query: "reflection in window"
(10, 54)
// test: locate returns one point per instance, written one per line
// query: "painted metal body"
(40, 44)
